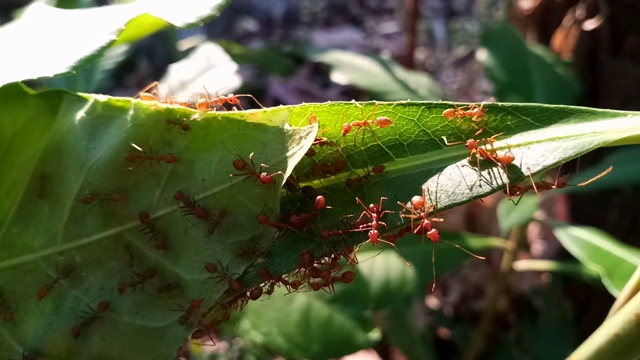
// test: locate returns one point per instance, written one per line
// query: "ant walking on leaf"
(421, 210)
(241, 164)
(365, 123)
(560, 182)
(141, 156)
(374, 213)
(217, 103)
(153, 96)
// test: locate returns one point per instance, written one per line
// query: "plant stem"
(483, 331)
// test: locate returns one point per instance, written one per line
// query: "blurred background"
(570, 52)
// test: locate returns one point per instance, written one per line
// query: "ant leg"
(535, 188)
(608, 170)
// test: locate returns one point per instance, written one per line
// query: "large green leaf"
(613, 260)
(65, 149)
(74, 201)
(77, 37)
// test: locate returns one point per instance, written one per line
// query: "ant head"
(374, 208)
(471, 144)
(320, 202)
(346, 129)
(233, 100)
(313, 119)
(263, 218)
(418, 202)
(265, 178)
(562, 181)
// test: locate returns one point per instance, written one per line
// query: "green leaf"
(511, 216)
(383, 79)
(537, 75)
(68, 156)
(574, 269)
(79, 36)
(74, 201)
(616, 338)
(627, 173)
(303, 325)
(613, 260)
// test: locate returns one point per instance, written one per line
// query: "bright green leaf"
(613, 260)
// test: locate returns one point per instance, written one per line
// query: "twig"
(483, 331)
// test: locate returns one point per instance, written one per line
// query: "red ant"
(212, 268)
(365, 123)
(377, 170)
(142, 156)
(92, 316)
(64, 273)
(140, 279)
(473, 111)
(180, 124)
(332, 168)
(149, 228)
(263, 219)
(488, 152)
(250, 252)
(190, 311)
(374, 212)
(483, 151)
(241, 164)
(560, 182)
(5, 310)
(90, 197)
(420, 210)
(152, 96)
(191, 207)
(219, 101)
(166, 287)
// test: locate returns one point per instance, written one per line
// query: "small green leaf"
(613, 260)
